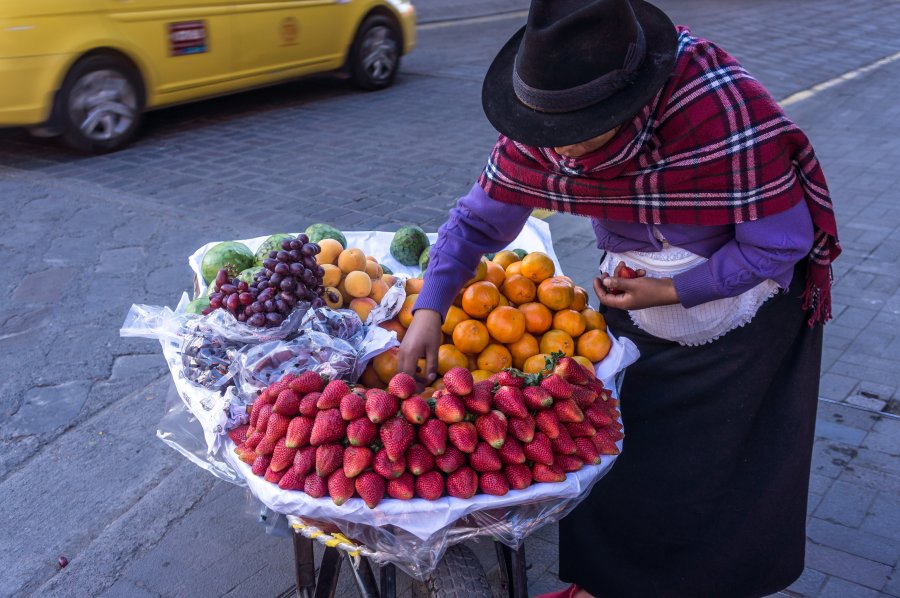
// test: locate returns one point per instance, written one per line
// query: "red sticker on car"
(187, 37)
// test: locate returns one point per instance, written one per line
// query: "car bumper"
(28, 86)
(408, 22)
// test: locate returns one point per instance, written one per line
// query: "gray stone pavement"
(81, 473)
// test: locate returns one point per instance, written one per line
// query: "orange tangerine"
(471, 336)
(480, 298)
(519, 289)
(594, 344)
(505, 258)
(570, 322)
(370, 378)
(594, 319)
(385, 364)
(506, 324)
(535, 364)
(558, 340)
(395, 325)
(495, 274)
(473, 360)
(537, 266)
(494, 358)
(479, 375)
(414, 286)
(556, 293)
(454, 316)
(581, 299)
(514, 268)
(586, 363)
(503, 301)
(450, 357)
(480, 271)
(406, 315)
(538, 317)
(522, 349)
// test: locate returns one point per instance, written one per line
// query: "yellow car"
(88, 69)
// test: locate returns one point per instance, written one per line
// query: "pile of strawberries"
(504, 433)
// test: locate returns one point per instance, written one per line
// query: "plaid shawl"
(712, 148)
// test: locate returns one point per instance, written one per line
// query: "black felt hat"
(578, 69)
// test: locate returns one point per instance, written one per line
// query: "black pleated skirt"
(708, 497)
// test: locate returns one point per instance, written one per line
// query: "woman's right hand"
(423, 339)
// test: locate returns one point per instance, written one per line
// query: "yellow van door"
(283, 38)
(189, 44)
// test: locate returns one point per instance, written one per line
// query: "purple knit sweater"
(739, 256)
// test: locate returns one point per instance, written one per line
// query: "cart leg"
(365, 579)
(388, 581)
(326, 584)
(503, 560)
(519, 585)
(304, 566)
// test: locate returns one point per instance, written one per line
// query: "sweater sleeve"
(764, 249)
(477, 225)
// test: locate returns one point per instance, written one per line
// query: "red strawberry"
(287, 403)
(380, 405)
(613, 432)
(507, 378)
(254, 412)
(386, 468)
(328, 458)
(430, 486)
(307, 382)
(539, 449)
(246, 455)
(327, 427)
(370, 486)
(263, 419)
(511, 401)
(459, 381)
(415, 410)
(419, 460)
(494, 483)
(485, 458)
(571, 371)
(537, 398)
(356, 460)
(308, 404)
(315, 486)
(604, 445)
(547, 422)
(402, 488)
(451, 460)
(261, 464)
(563, 444)
(277, 426)
(361, 432)
(340, 487)
(463, 435)
(547, 473)
(567, 411)
(481, 400)
(492, 428)
(433, 436)
(522, 428)
(282, 456)
(568, 463)
(274, 390)
(518, 476)
(402, 386)
(581, 429)
(262, 397)
(352, 406)
(396, 435)
(511, 452)
(598, 417)
(266, 446)
(449, 409)
(587, 451)
(299, 431)
(556, 386)
(462, 483)
(291, 480)
(583, 396)
(238, 434)
(273, 476)
(253, 440)
(305, 460)
(332, 394)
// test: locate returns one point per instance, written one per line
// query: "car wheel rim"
(380, 53)
(103, 105)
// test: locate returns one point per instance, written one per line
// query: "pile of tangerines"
(513, 313)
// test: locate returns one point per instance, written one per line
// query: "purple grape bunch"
(288, 277)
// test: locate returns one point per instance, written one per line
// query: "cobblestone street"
(81, 471)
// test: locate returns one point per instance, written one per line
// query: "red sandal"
(565, 593)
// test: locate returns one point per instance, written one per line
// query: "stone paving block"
(883, 518)
(840, 588)
(829, 458)
(127, 589)
(846, 415)
(835, 386)
(48, 408)
(846, 504)
(44, 287)
(839, 432)
(809, 583)
(846, 566)
(866, 403)
(869, 546)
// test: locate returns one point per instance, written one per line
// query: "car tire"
(100, 104)
(375, 54)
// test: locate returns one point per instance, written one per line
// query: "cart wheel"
(458, 575)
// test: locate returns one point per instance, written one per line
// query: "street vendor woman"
(691, 172)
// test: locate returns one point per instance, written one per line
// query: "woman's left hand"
(635, 293)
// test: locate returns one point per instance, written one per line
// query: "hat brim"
(520, 123)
